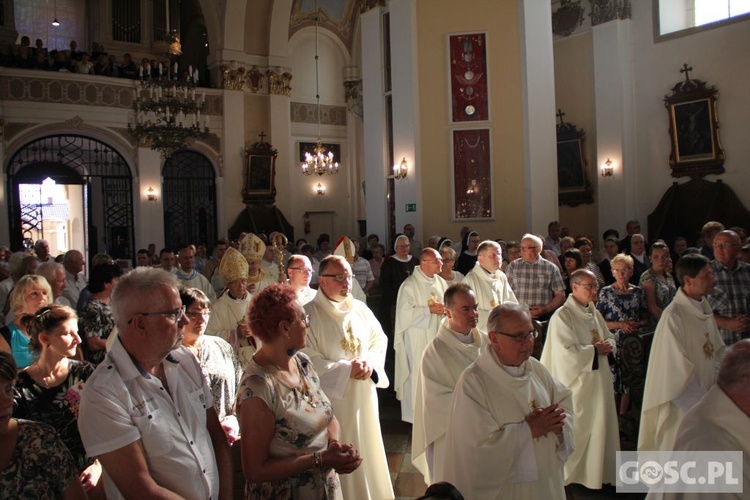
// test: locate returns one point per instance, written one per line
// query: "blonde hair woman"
(29, 294)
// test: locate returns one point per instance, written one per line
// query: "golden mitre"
(345, 248)
(252, 247)
(233, 266)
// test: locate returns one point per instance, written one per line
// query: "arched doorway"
(189, 200)
(98, 182)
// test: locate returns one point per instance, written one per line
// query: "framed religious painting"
(468, 77)
(260, 171)
(472, 175)
(573, 187)
(694, 128)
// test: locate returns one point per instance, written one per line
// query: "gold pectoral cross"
(432, 300)
(708, 348)
(532, 404)
(350, 343)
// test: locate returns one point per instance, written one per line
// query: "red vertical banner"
(472, 178)
(468, 70)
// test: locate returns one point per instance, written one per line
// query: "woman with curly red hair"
(290, 436)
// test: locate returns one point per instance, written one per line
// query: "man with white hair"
(457, 344)
(575, 353)
(41, 248)
(487, 280)
(510, 424)
(729, 299)
(347, 347)
(147, 412)
(419, 309)
(535, 281)
(719, 422)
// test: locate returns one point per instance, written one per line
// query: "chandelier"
(168, 114)
(166, 108)
(319, 162)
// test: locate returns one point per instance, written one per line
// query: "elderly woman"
(217, 358)
(290, 436)
(34, 463)
(29, 294)
(586, 248)
(623, 306)
(96, 322)
(49, 390)
(449, 259)
(657, 283)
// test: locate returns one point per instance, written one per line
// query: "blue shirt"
(19, 346)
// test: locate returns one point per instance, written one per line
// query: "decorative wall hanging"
(260, 172)
(472, 176)
(694, 128)
(573, 186)
(468, 70)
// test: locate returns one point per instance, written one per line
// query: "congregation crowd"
(96, 61)
(253, 371)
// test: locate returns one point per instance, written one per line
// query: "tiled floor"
(408, 483)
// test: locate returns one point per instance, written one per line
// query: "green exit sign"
(411, 207)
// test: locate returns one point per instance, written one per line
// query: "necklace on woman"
(298, 386)
(48, 380)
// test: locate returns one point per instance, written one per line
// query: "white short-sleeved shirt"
(122, 404)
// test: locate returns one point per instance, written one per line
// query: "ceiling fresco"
(337, 16)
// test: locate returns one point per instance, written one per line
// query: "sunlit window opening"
(677, 15)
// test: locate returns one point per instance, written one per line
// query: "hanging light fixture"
(167, 110)
(55, 22)
(319, 162)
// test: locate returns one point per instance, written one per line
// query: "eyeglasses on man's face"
(590, 286)
(174, 315)
(520, 337)
(302, 270)
(341, 278)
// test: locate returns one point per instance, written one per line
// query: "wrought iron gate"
(76, 159)
(189, 196)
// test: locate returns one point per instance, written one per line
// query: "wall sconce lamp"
(150, 194)
(320, 189)
(400, 171)
(607, 168)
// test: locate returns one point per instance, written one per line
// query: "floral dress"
(56, 406)
(301, 428)
(665, 290)
(223, 371)
(95, 320)
(616, 306)
(40, 468)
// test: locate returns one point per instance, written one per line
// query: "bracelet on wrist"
(317, 460)
(332, 441)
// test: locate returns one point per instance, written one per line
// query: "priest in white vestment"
(510, 429)
(347, 346)
(684, 359)
(228, 313)
(419, 310)
(299, 269)
(575, 353)
(189, 277)
(720, 421)
(457, 345)
(488, 282)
